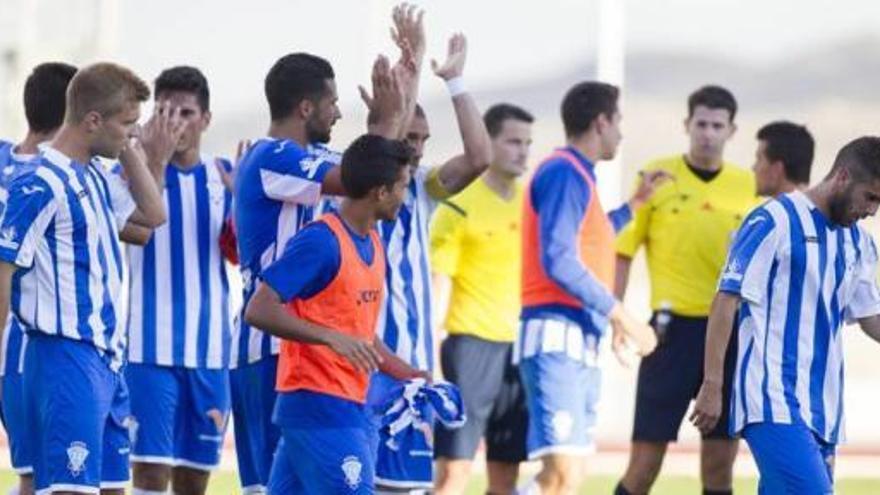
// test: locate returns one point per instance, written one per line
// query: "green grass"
(226, 483)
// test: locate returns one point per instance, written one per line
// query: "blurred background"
(813, 62)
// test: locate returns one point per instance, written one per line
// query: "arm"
(648, 183)
(745, 277)
(6, 272)
(707, 409)
(267, 312)
(621, 275)
(393, 366)
(149, 209)
(457, 173)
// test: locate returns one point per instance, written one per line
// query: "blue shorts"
(323, 461)
(791, 459)
(561, 394)
(410, 466)
(179, 414)
(326, 445)
(20, 449)
(253, 401)
(78, 415)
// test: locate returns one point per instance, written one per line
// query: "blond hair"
(104, 88)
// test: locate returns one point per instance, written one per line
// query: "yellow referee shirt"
(686, 228)
(475, 240)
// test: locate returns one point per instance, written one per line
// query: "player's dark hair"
(293, 78)
(861, 157)
(495, 117)
(372, 161)
(584, 103)
(185, 79)
(712, 97)
(45, 95)
(791, 144)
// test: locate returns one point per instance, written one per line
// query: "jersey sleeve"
(120, 195)
(865, 300)
(308, 264)
(447, 227)
(30, 206)
(750, 259)
(292, 175)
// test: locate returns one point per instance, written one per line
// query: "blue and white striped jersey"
(12, 347)
(405, 321)
(179, 311)
(277, 189)
(800, 278)
(63, 222)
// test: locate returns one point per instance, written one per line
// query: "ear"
(305, 108)
(92, 121)
(733, 129)
(206, 118)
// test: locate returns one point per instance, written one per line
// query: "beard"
(316, 134)
(839, 207)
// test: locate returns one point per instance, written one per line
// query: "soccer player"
(323, 297)
(799, 269)
(567, 278)
(278, 184)
(475, 240)
(44, 101)
(783, 159)
(405, 322)
(179, 321)
(686, 229)
(63, 222)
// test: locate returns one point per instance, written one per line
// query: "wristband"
(455, 86)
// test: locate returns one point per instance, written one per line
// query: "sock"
(706, 491)
(621, 490)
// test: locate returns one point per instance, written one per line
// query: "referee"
(686, 229)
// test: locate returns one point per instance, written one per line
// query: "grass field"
(226, 483)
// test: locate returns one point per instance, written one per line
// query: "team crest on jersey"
(351, 468)
(562, 425)
(76, 458)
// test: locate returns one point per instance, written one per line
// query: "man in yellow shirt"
(686, 229)
(475, 251)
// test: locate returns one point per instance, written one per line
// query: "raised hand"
(408, 32)
(387, 104)
(228, 177)
(648, 183)
(456, 56)
(160, 135)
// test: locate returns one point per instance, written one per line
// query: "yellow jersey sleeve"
(446, 233)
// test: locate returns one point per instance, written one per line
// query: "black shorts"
(494, 401)
(670, 378)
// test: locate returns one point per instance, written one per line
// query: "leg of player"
(716, 465)
(190, 481)
(559, 474)
(645, 460)
(149, 478)
(452, 476)
(502, 477)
